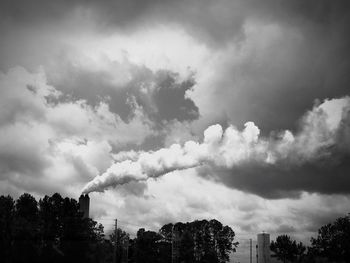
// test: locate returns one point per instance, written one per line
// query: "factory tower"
(263, 248)
(84, 205)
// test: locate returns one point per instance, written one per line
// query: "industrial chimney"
(84, 205)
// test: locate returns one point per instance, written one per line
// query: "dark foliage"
(51, 230)
(54, 230)
(196, 242)
(332, 245)
(7, 209)
(287, 250)
(333, 241)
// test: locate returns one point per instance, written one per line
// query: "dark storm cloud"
(161, 94)
(93, 86)
(315, 159)
(215, 20)
(106, 13)
(291, 53)
(272, 86)
(170, 98)
(281, 180)
(325, 171)
(305, 59)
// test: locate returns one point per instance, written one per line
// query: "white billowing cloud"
(231, 148)
(151, 46)
(96, 155)
(23, 95)
(320, 127)
(184, 196)
(178, 132)
(106, 124)
(48, 145)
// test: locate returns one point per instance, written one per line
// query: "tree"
(186, 247)
(166, 232)
(52, 230)
(333, 241)
(165, 245)
(7, 208)
(300, 251)
(121, 242)
(26, 237)
(225, 244)
(146, 248)
(201, 241)
(287, 250)
(213, 241)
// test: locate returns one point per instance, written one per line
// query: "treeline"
(51, 230)
(200, 241)
(332, 244)
(54, 230)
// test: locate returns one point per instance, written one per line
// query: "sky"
(167, 111)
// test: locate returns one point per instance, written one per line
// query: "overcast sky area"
(170, 111)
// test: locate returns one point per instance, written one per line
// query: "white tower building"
(263, 248)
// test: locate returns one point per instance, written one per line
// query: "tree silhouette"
(121, 241)
(333, 241)
(26, 235)
(52, 230)
(200, 241)
(287, 250)
(7, 208)
(187, 247)
(146, 248)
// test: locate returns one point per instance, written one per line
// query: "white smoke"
(319, 132)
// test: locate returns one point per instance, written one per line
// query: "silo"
(263, 248)
(84, 205)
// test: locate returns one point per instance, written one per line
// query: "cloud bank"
(320, 149)
(84, 82)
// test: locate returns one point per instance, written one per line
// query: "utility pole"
(115, 242)
(127, 249)
(251, 250)
(175, 245)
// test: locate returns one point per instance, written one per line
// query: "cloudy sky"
(179, 110)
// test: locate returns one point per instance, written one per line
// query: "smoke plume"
(324, 130)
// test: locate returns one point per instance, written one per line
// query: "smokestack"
(84, 205)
